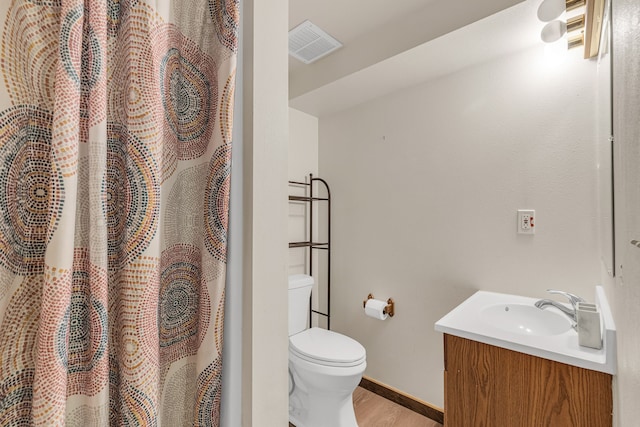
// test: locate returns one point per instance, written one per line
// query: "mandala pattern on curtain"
(115, 154)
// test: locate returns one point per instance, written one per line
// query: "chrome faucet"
(570, 312)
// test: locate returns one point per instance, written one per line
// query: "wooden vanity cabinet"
(494, 387)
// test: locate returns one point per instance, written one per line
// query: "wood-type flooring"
(376, 411)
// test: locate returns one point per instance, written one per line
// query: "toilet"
(325, 367)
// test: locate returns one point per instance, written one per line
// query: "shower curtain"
(115, 145)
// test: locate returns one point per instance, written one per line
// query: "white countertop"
(464, 321)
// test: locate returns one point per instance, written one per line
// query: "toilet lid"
(327, 347)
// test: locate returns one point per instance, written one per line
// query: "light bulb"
(551, 9)
(553, 31)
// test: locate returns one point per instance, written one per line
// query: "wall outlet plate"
(526, 221)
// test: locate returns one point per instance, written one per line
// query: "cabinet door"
(491, 386)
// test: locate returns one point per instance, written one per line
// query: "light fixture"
(550, 10)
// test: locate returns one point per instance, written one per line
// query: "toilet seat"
(327, 348)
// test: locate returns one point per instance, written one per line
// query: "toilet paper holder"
(389, 309)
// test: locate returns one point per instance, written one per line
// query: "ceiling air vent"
(308, 43)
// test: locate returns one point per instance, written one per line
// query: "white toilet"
(324, 366)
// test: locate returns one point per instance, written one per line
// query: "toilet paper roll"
(375, 308)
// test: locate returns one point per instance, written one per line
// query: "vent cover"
(308, 43)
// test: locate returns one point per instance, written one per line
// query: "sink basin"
(525, 319)
(515, 323)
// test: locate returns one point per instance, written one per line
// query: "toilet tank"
(299, 293)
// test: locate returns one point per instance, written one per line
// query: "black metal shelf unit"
(311, 244)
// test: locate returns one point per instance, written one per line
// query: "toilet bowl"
(325, 367)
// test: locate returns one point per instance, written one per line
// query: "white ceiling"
(347, 20)
(417, 40)
(340, 16)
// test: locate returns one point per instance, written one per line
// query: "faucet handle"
(573, 299)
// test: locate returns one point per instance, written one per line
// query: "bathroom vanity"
(508, 363)
(487, 385)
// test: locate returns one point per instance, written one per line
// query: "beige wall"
(265, 136)
(426, 184)
(303, 145)
(303, 160)
(625, 294)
